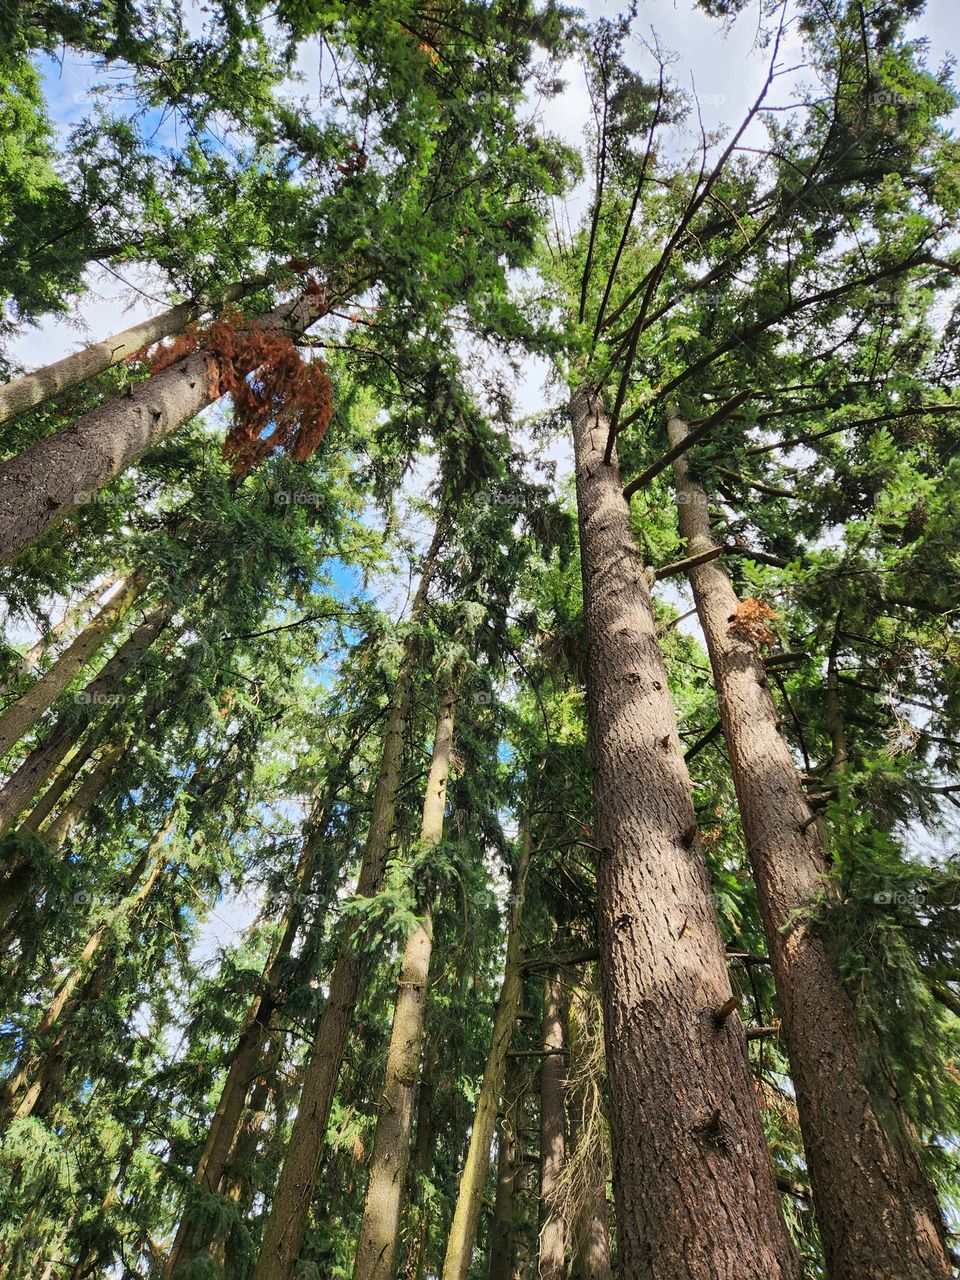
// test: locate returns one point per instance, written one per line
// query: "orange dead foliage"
(750, 620)
(280, 401)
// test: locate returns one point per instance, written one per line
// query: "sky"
(721, 66)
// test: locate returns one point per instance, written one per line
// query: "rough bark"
(286, 1222)
(23, 785)
(553, 1229)
(695, 1192)
(71, 616)
(54, 379)
(466, 1214)
(503, 1235)
(876, 1211)
(22, 715)
(390, 1155)
(42, 485)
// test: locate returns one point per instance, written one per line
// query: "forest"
(480, 664)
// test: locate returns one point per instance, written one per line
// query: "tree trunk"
(36, 652)
(64, 780)
(86, 795)
(553, 1233)
(380, 1227)
(696, 1197)
(54, 379)
(503, 1236)
(22, 715)
(245, 1064)
(23, 785)
(133, 898)
(877, 1214)
(425, 1149)
(286, 1222)
(466, 1215)
(590, 1230)
(51, 478)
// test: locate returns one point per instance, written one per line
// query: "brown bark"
(466, 1214)
(22, 715)
(876, 1211)
(553, 1229)
(42, 485)
(70, 617)
(695, 1191)
(28, 778)
(286, 1222)
(86, 795)
(54, 379)
(390, 1156)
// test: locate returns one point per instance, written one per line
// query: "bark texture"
(42, 485)
(590, 1230)
(466, 1214)
(390, 1156)
(287, 1220)
(695, 1191)
(877, 1214)
(553, 1138)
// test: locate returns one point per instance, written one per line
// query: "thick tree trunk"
(466, 1215)
(54, 379)
(503, 1235)
(71, 616)
(42, 485)
(877, 1214)
(696, 1197)
(590, 1230)
(137, 890)
(286, 1222)
(380, 1228)
(22, 715)
(23, 785)
(553, 1230)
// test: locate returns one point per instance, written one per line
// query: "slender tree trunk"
(380, 1227)
(877, 1214)
(417, 1260)
(137, 890)
(696, 1197)
(590, 1229)
(36, 652)
(247, 1060)
(22, 715)
(553, 1232)
(286, 1222)
(466, 1215)
(42, 485)
(54, 379)
(85, 796)
(64, 780)
(503, 1236)
(23, 785)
